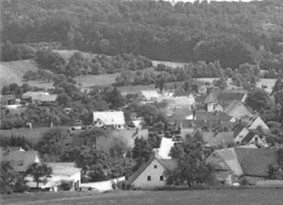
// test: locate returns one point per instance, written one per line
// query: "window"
(161, 178)
(148, 178)
(155, 166)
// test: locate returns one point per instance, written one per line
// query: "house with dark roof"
(19, 158)
(216, 139)
(252, 163)
(237, 109)
(152, 174)
(40, 98)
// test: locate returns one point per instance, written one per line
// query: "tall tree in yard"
(258, 100)
(38, 172)
(192, 168)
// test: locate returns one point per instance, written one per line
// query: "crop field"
(193, 197)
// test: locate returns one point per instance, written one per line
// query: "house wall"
(76, 178)
(258, 122)
(210, 107)
(142, 180)
(259, 141)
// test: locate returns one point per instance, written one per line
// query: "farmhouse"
(109, 119)
(41, 98)
(243, 161)
(152, 174)
(19, 159)
(61, 172)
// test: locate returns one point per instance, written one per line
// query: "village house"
(109, 119)
(217, 139)
(19, 158)
(62, 172)
(237, 110)
(232, 163)
(214, 107)
(254, 122)
(151, 174)
(40, 98)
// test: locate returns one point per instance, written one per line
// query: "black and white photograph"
(141, 102)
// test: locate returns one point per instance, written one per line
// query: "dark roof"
(168, 164)
(237, 109)
(214, 139)
(248, 137)
(255, 162)
(19, 159)
(226, 97)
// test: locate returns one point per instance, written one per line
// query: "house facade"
(151, 174)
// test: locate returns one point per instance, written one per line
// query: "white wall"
(103, 185)
(259, 122)
(155, 173)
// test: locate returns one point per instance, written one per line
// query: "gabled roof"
(214, 139)
(229, 158)
(150, 94)
(110, 117)
(237, 109)
(40, 96)
(228, 96)
(165, 146)
(63, 168)
(19, 159)
(255, 162)
(168, 164)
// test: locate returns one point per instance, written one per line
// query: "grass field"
(195, 197)
(12, 72)
(97, 80)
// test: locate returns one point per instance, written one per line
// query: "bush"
(65, 185)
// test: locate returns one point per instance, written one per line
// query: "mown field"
(195, 197)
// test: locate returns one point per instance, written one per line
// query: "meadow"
(192, 197)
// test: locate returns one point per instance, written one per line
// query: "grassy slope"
(12, 72)
(195, 197)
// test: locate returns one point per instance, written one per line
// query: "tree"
(114, 98)
(278, 86)
(39, 172)
(141, 152)
(10, 181)
(278, 97)
(159, 83)
(192, 168)
(258, 100)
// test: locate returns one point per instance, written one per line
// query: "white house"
(60, 172)
(214, 107)
(152, 174)
(109, 119)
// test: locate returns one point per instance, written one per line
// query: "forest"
(185, 32)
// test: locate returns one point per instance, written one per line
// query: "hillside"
(12, 72)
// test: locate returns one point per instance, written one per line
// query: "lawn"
(194, 197)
